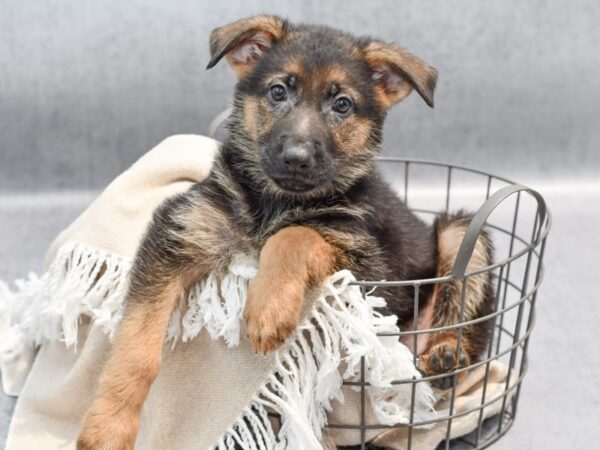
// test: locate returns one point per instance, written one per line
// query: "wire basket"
(518, 222)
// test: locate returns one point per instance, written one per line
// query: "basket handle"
(479, 219)
(218, 121)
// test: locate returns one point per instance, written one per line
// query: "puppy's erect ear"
(397, 72)
(244, 41)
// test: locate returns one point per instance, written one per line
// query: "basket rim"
(430, 162)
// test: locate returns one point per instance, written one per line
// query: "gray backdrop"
(87, 87)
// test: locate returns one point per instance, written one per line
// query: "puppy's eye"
(278, 92)
(342, 105)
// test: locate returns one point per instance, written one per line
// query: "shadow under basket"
(518, 221)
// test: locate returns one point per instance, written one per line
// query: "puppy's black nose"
(298, 158)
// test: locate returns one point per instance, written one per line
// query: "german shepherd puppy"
(295, 184)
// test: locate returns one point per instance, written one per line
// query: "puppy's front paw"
(107, 430)
(440, 359)
(272, 313)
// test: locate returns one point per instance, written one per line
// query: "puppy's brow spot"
(336, 75)
(293, 67)
(278, 77)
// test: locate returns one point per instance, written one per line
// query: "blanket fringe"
(340, 330)
(81, 281)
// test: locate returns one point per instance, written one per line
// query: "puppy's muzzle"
(295, 164)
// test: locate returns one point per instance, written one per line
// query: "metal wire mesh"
(518, 221)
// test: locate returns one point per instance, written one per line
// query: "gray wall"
(87, 86)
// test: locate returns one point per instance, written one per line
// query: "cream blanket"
(212, 390)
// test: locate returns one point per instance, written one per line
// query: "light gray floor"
(560, 401)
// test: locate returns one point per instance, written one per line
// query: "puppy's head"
(310, 102)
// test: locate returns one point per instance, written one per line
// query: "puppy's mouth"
(295, 184)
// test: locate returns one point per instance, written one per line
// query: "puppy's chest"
(220, 232)
(255, 226)
(224, 226)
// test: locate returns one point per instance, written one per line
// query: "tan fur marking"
(445, 304)
(251, 116)
(448, 244)
(277, 77)
(240, 69)
(320, 83)
(448, 339)
(291, 261)
(294, 67)
(266, 118)
(335, 74)
(352, 135)
(113, 419)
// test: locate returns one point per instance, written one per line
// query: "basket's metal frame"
(532, 254)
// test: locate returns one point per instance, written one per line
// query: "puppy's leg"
(113, 419)
(443, 354)
(166, 264)
(291, 261)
